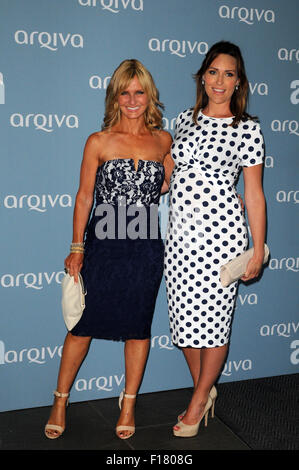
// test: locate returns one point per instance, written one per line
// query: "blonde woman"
(120, 254)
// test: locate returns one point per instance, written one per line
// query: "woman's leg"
(74, 351)
(211, 362)
(192, 357)
(136, 354)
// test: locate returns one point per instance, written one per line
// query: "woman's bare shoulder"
(97, 140)
(165, 137)
(96, 137)
(165, 134)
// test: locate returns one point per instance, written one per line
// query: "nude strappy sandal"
(56, 427)
(120, 428)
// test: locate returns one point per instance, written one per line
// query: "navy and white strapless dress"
(123, 261)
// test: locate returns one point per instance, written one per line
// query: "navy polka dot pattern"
(206, 226)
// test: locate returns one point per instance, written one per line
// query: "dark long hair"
(239, 98)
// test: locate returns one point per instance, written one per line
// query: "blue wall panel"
(56, 60)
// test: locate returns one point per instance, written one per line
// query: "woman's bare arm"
(84, 201)
(256, 209)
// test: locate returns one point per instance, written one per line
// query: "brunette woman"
(213, 142)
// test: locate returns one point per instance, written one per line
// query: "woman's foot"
(193, 415)
(189, 425)
(125, 427)
(56, 423)
(213, 395)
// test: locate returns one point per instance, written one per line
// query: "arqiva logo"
(43, 122)
(31, 355)
(246, 15)
(176, 47)
(114, 6)
(35, 202)
(51, 41)
(31, 280)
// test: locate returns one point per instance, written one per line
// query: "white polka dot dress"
(206, 226)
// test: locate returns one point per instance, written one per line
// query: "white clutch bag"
(73, 300)
(236, 268)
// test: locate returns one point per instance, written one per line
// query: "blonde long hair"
(120, 80)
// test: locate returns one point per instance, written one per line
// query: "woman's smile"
(133, 101)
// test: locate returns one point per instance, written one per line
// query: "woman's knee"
(78, 340)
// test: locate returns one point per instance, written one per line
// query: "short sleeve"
(181, 119)
(252, 145)
(177, 124)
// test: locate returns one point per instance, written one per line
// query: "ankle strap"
(61, 395)
(126, 395)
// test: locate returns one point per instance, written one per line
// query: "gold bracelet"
(77, 247)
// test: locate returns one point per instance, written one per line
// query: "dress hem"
(201, 347)
(110, 338)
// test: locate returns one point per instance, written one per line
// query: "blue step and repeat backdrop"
(56, 59)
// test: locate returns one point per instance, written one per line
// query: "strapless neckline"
(132, 161)
(116, 179)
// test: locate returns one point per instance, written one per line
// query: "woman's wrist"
(258, 254)
(77, 247)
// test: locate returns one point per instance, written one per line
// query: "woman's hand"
(73, 263)
(253, 269)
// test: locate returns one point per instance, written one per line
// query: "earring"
(237, 87)
(202, 82)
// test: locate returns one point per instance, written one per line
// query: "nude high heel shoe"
(191, 430)
(55, 427)
(213, 395)
(120, 428)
